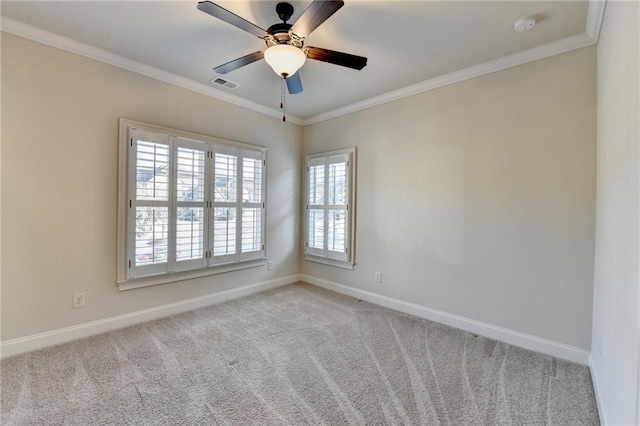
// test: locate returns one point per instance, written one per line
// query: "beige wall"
(616, 307)
(477, 199)
(59, 174)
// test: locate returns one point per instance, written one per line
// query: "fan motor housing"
(280, 35)
(279, 28)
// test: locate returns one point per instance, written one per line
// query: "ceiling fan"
(285, 51)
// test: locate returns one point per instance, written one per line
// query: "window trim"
(351, 210)
(122, 236)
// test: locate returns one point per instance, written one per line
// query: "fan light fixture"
(285, 59)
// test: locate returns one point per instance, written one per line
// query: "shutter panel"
(316, 193)
(225, 195)
(191, 223)
(149, 204)
(337, 189)
(327, 214)
(251, 205)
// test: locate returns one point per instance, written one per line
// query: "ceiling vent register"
(219, 81)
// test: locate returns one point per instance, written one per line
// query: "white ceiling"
(406, 42)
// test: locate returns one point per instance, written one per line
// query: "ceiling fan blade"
(240, 62)
(314, 15)
(337, 58)
(294, 84)
(231, 18)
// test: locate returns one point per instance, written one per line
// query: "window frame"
(177, 271)
(324, 255)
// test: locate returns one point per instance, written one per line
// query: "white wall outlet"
(78, 300)
(270, 265)
(378, 277)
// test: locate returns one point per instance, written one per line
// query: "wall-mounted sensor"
(524, 24)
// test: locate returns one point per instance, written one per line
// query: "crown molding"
(595, 15)
(557, 47)
(39, 35)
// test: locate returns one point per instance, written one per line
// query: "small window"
(330, 206)
(192, 204)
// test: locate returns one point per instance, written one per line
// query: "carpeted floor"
(294, 355)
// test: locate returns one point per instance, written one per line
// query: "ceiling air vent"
(219, 81)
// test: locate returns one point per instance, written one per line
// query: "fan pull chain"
(282, 100)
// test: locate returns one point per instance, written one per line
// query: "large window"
(193, 205)
(330, 207)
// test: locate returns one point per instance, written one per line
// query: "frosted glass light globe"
(285, 59)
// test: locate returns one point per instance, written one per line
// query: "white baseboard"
(62, 335)
(527, 341)
(596, 390)
(55, 337)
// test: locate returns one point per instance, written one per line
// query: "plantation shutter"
(336, 215)
(252, 204)
(149, 216)
(225, 206)
(190, 205)
(316, 206)
(328, 183)
(237, 232)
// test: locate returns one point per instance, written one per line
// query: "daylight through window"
(192, 204)
(330, 207)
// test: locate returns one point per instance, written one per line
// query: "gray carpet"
(294, 355)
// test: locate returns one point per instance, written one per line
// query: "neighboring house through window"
(193, 204)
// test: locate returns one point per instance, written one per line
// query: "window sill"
(330, 262)
(186, 275)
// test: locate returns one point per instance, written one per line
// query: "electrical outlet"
(270, 265)
(78, 300)
(378, 277)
